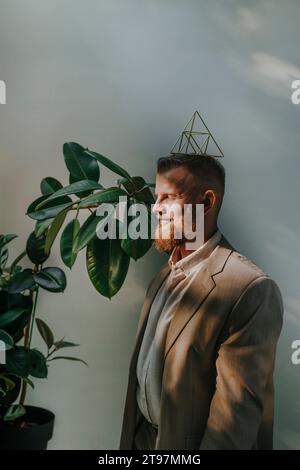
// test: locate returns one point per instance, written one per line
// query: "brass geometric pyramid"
(197, 139)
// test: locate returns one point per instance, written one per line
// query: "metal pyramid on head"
(196, 139)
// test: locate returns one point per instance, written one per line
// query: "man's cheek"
(174, 210)
(177, 227)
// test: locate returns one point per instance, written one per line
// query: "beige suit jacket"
(217, 386)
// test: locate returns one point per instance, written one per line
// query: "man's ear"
(209, 200)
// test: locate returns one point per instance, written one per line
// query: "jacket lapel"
(198, 291)
(200, 288)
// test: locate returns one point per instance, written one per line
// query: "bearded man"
(201, 371)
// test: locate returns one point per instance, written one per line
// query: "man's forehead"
(178, 178)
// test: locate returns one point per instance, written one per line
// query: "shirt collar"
(190, 261)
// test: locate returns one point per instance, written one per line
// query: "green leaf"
(18, 361)
(80, 165)
(51, 278)
(81, 194)
(11, 388)
(136, 248)
(50, 185)
(25, 379)
(32, 206)
(107, 195)
(64, 344)
(10, 302)
(107, 265)
(54, 229)
(3, 257)
(38, 364)
(45, 332)
(8, 317)
(49, 212)
(41, 226)
(37, 214)
(139, 188)
(4, 239)
(6, 338)
(66, 242)
(73, 188)
(109, 164)
(15, 269)
(14, 412)
(10, 384)
(88, 231)
(21, 281)
(28, 381)
(35, 248)
(70, 358)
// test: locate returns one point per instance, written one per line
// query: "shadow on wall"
(275, 248)
(287, 382)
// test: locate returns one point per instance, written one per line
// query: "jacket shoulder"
(239, 271)
(236, 261)
(242, 283)
(245, 266)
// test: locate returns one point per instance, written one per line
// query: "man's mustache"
(165, 218)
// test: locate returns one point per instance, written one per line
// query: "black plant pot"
(33, 437)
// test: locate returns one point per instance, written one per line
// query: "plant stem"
(33, 317)
(92, 206)
(27, 340)
(17, 260)
(24, 384)
(23, 393)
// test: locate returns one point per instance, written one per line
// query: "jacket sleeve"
(244, 363)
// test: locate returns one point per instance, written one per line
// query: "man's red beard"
(166, 244)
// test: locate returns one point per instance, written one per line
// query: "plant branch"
(33, 316)
(27, 339)
(15, 262)
(54, 349)
(87, 207)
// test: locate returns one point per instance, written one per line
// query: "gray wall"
(123, 77)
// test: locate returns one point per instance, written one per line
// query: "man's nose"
(157, 207)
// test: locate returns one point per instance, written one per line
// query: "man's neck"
(182, 252)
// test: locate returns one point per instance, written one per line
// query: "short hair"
(208, 172)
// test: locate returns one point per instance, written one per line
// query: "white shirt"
(150, 360)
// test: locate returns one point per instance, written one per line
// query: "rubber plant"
(107, 263)
(19, 291)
